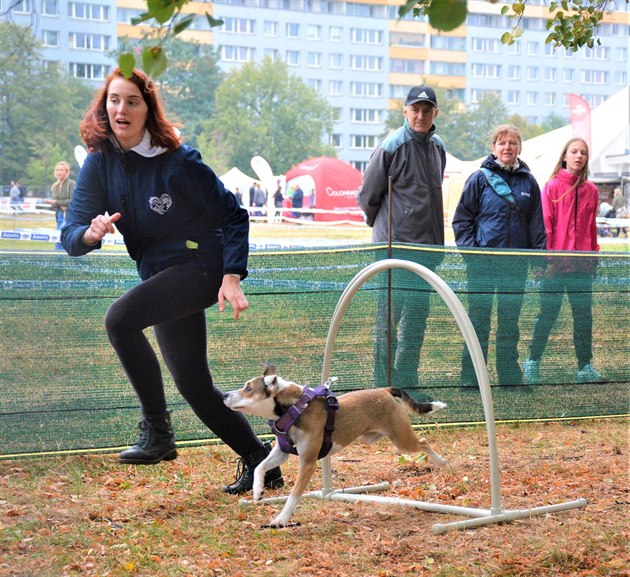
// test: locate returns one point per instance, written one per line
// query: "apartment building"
(359, 55)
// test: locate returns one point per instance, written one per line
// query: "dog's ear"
(270, 369)
(271, 381)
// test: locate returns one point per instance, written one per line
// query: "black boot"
(156, 442)
(245, 472)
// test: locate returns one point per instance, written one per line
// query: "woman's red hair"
(95, 128)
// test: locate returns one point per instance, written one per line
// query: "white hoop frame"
(496, 514)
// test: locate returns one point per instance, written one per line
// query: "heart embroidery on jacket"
(160, 204)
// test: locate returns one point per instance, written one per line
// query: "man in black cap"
(415, 157)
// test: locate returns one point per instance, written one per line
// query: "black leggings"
(173, 302)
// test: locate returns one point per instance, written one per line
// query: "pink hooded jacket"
(570, 217)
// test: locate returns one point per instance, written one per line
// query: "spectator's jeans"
(579, 289)
(410, 307)
(509, 286)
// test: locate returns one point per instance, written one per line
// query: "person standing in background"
(61, 193)
(415, 157)
(569, 205)
(499, 207)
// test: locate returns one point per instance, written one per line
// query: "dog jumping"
(367, 415)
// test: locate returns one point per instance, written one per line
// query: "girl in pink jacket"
(569, 202)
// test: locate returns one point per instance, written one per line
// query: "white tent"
(235, 178)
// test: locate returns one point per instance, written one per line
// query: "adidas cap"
(421, 94)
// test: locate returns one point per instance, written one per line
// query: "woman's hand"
(231, 291)
(100, 226)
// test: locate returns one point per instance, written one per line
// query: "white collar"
(145, 148)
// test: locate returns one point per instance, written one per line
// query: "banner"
(580, 115)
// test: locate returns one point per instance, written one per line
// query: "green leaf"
(183, 23)
(507, 38)
(126, 63)
(213, 21)
(447, 15)
(154, 61)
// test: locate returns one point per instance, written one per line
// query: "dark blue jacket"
(164, 200)
(484, 219)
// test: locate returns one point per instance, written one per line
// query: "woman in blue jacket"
(500, 207)
(189, 239)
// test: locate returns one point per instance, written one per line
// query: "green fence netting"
(62, 389)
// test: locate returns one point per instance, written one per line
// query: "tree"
(263, 110)
(571, 24)
(40, 110)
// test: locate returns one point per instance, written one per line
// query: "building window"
(50, 38)
(486, 70)
(335, 140)
(531, 73)
(270, 28)
(85, 11)
(513, 97)
(621, 77)
(315, 84)
(531, 98)
(50, 8)
(366, 115)
(238, 54)
(550, 98)
(550, 74)
(621, 54)
(366, 36)
(407, 39)
(335, 88)
(271, 53)
(293, 58)
(568, 75)
(485, 45)
(335, 61)
(363, 141)
(515, 48)
(88, 41)
(448, 68)
(314, 32)
(314, 59)
(514, 72)
(594, 76)
(532, 49)
(22, 7)
(238, 26)
(89, 71)
(335, 34)
(406, 66)
(457, 43)
(596, 53)
(368, 63)
(293, 30)
(366, 89)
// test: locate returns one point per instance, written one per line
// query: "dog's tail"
(414, 406)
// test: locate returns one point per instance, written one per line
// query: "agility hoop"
(480, 517)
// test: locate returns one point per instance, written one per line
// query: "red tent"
(328, 184)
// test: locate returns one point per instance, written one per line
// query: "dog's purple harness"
(281, 427)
